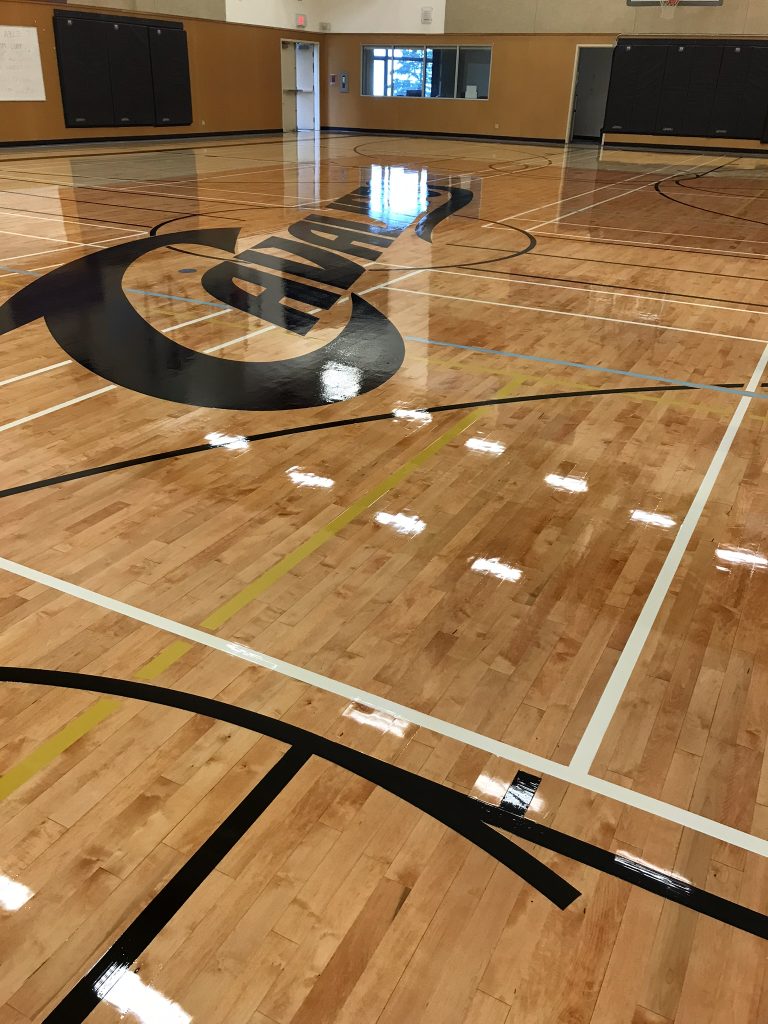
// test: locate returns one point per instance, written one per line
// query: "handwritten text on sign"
(21, 73)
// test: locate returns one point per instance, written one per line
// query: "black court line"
(199, 141)
(123, 192)
(714, 192)
(71, 216)
(644, 876)
(88, 202)
(663, 295)
(371, 270)
(653, 266)
(458, 812)
(469, 817)
(307, 428)
(704, 209)
(714, 213)
(694, 250)
(81, 1000)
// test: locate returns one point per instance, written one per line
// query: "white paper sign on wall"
(426, 15)
(21, 73)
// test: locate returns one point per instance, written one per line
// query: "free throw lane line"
(498, 748)
(602, 716)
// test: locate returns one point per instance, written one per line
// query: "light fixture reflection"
(13, 895)
(497, 568)
(130, 995)
(574, 484)
(410, 525)
(233, 441)
(740, 556)
(492, 788)
(416, 415)
(670, 879)
(248, 654)
(303, 478)
(652, 518)
(339, 381)
(378, 720)
(538, 805)
(398, 194)
(479, 444)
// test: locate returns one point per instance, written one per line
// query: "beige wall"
(531, 78)
(236, 86)
(343, 15)
(216, 10)
(234, 75)
(734, 17)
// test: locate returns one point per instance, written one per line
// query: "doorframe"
(579, 48)
(316, 80)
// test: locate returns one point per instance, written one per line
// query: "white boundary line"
(589, 290)
(600, 721)
(580, 195)
(69, 220)
(734, 253)
(67, 247)
(34, 373)
(197, 320)
(628, 797)
(611, 199)
(47, 238)
(682, 234)
(55, 408)
(583, 316)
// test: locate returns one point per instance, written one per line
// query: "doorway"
(300, 69)
(592, 74)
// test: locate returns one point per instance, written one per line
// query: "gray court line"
(589, 366)
(138, 291)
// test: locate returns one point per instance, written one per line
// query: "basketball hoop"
(669, 3)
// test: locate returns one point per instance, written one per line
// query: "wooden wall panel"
(234, 72)
(235, 78)
(694, 142)
(531, 78)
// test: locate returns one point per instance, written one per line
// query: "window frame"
(388, 46)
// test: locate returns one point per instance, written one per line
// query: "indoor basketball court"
(384, 570)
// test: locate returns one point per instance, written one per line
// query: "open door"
(305, 86)
(288, 68)
(301, 85)
(590, 92)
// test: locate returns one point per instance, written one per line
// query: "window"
(441, 72)
(474, 72)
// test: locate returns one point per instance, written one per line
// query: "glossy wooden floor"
(573, 583)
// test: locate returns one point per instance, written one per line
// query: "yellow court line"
(171, 654)
(42, 756)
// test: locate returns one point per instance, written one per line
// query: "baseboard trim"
(137, 138)
(445, 135)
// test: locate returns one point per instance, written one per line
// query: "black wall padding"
(726, 113)
(741, 102)
(754, 110)
(131, 71)
(86, 92)
(688, 90)
(707, 88)
(170, 73)
(637, 74)
(131, 74)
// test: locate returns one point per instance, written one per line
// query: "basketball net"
(667, 7)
